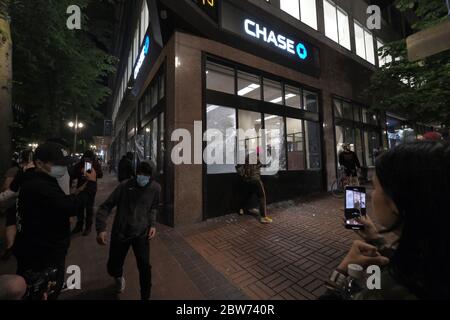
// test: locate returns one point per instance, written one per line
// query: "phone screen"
(87, 166)
(355, 207)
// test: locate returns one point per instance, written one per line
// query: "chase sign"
(144, 53)
(270, 39)
(278, 41)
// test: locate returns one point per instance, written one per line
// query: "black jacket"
(137, 209)
(125, 169)
(349, 160)
(43, 217)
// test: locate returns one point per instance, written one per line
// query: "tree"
(58, 72)
(5, 87)
(419, 90)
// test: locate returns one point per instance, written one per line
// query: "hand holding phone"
(355, 207)
(87, 166)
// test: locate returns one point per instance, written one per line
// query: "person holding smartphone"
(86, 213)
(43, 214)
(411, 188)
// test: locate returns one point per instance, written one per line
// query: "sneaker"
(266, 220)
(120, 284)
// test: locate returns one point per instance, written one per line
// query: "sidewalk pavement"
(230, 257)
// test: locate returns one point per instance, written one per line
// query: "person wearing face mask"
(43, 214)
(137, 202)
(410, 205)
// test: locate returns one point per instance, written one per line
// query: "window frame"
(266, 108)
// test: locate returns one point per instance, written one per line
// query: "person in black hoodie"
(125, 171)
(137, 202)
(43, 215)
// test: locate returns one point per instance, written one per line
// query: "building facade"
(301, 67)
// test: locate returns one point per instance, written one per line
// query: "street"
(230, 257)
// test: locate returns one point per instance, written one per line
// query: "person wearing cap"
(43, 214)
(64, 181)
(137, 202)
(250, 174)
(349, 160)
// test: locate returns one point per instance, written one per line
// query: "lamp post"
(76, 127)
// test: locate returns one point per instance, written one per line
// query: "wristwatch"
(338, 278)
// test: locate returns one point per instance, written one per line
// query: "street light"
(76, 126)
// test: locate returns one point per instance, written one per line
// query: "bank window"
(220, 153)
(295, 144)
(249, 138)
(369, 117)
(292, 7)
(343, 109)
(274, 144)
(364, 43)
(336, 24)
(273, 91)
(148, 141)
(292, 97)
(310, 101)
(304, 10)
(154, 94)
(148, 100)
(249, 85)
(162, 147)
(372, 147)
(219, 78)
(154, 154)
(162, 85)
(382, 61)
(313, 147)
(356, 113)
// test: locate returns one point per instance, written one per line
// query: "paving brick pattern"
(287, 260)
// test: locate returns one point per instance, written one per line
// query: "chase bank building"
(298, 66)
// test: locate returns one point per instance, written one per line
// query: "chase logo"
(147, 45)
(144, 53)
(279, 41)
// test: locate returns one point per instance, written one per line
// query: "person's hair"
(129, 155)
(145, 168)
(416, 176)
(88, 154)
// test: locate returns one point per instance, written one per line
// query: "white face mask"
(57, 171)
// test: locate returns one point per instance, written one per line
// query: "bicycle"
(338, 186)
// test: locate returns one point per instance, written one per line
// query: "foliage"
(419, 90)
(57, 72)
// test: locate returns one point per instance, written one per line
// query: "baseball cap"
(52, 152)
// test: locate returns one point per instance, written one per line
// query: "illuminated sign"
(279, 43)
(144, 53)
(277, 40)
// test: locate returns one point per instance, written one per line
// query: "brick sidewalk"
(230, 257)
(289, 259)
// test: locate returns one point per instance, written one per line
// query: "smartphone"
(355, 207)
(88, 166)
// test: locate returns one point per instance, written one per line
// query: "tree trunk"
(6, 117)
